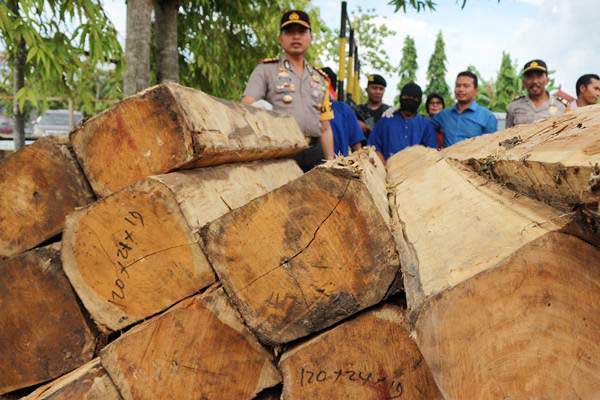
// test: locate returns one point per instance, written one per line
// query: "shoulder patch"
(269, 60)
(564, 101)
(323, 74)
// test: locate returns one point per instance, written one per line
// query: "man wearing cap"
(538, 103)
(291, 85)
(370, 112)
(405, 128)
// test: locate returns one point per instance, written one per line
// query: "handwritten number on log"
(136, 216)
(321, 376)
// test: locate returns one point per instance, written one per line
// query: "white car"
(55, 122)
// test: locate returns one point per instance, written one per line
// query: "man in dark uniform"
(369, 113)
(291, 85)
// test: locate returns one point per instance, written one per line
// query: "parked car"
(54, 122)
(5, 125)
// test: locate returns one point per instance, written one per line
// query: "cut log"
(451, 223)
(556, 160)
(89, 382)
(528, 329)
(135, 253)
(199, 349)
(43, 332)
(304, 256)
(39, 185)
(170, 127)
(369, 357)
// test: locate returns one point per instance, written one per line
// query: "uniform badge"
(292, 87)
(283, 73)
(552, 110)
(287, 99)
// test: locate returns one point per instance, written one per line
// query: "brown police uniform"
(523, 111)
(305, 97)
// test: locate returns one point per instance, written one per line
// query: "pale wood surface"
(555, 160)
(88, 382)
(528, 329)
(205, 194)
(368, 167)
(170, 127)
(451, 223)
(132, 254)
(199, 349)
(39, 185)
(148, 229)
(43, 332)
(370, 357)
(304, 256)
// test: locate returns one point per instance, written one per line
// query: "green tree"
(220, 43)
(370, 36)
(419, 5)
(408, 64)
(436, 72)
(508, 84)
(64, 42)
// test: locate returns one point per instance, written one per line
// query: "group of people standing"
(288, 83)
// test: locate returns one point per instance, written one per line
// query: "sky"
(563, 33)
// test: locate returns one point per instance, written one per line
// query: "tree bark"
(137, 46)
(18, 59)
(556, 160)
(171, 127)
(167, 55)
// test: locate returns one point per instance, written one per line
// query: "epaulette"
(564, 101)
(518, 98)
(269, 60)
(323, 74)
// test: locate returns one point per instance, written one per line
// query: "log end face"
(287, 264)
(368, 357)
(144, 135)
(533, 321)
(39, 185)
(185, 352)
(132, 255)
(43, 334)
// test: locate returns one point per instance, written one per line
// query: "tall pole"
(356, 86)
(342, 54)
(350, 66)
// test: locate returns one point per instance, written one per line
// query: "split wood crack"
(287, 260)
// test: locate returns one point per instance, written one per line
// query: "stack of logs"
(169, 249)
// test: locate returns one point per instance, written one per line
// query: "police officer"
(291, 85)
(538, 103)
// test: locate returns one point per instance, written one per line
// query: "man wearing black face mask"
(405, 128)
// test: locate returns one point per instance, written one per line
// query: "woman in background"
(433, 105)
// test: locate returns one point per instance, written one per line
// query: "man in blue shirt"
(346, 130)
(466, 119)
(405, 128)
